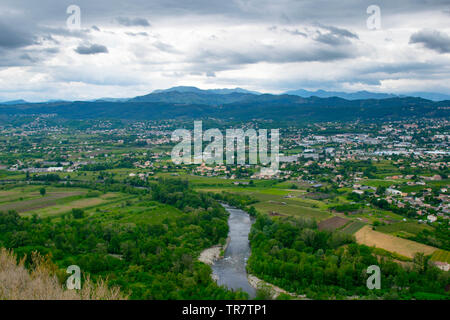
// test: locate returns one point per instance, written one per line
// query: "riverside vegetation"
(295, 255)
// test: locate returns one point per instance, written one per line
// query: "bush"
(77, 213)
(93, 194)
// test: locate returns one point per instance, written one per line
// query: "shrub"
(77, 213)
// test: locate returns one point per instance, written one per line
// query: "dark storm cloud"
(331, 39)
(13, 60)
(133, 22)
(50, 38)
(432, 39)
(335, 36)
(91, 49)
(21, 44)
(340, 32)
(11, 38)
(25, 56)
(269, 11)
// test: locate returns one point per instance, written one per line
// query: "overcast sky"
(128, 48)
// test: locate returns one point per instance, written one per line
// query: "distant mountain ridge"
(433, 96)
(360, 95)
(213, 91)
(194, 95)
(189, 95)
(12, 102)
(111, 99)
(239, 104)
(246, 107)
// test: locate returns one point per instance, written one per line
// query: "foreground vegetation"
(147, 258)
(41, 282)
(295, 255)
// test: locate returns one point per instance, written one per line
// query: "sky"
(130, 48)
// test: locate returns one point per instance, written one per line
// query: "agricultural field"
(134, 212)
(353, 227)
(80, 203)
(279, 202)
(391, 243)
(19, 194)
(27, 200)
(24, 199)
(441, 255)
(404, 229)
(333, 223)
(276, 208)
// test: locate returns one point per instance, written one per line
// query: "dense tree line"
(295, 255)
(241, 201)
(438, 237)
(50, 177)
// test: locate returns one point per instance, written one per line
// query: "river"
(230, 271)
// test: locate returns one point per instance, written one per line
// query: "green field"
(404, 229)
(28, 201)
(441, 255)
(353, 227)
(81, 203)
(278, 201)
(134, 212)
(291, 210)
(24, 199)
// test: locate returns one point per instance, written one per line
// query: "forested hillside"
(247, 107)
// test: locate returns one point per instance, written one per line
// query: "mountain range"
(193, 95)
(13, 102)
(196, 96)
(213, 91)
(359, 95)
(238, 104)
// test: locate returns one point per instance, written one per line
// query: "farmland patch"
(390, 243)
